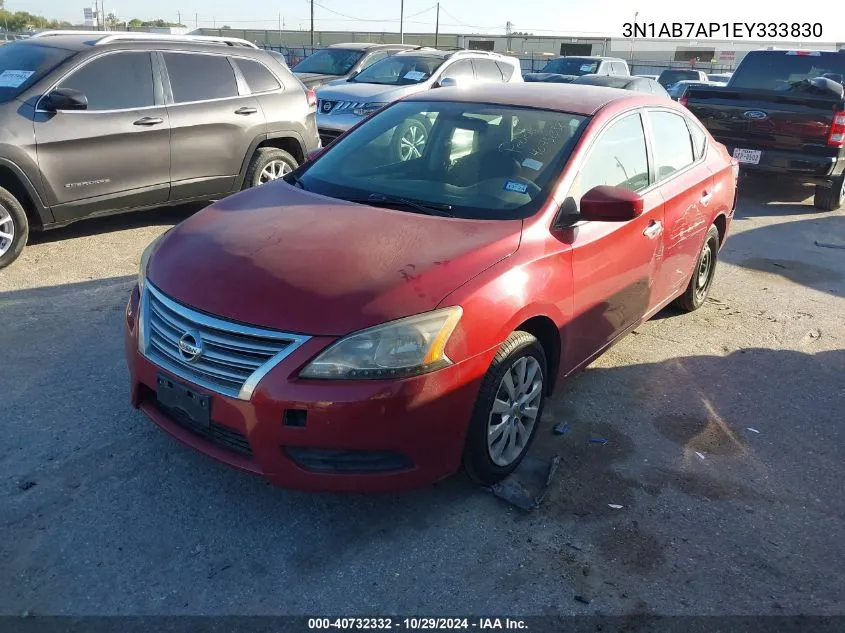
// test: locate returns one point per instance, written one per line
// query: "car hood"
(353, 91)
(312, 80)
(550, 77)
(279, 257)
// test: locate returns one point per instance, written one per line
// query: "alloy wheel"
(515, 409)
(7, 230)
(273, 170)
(705, 270)
(412, 142)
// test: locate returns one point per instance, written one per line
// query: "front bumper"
(354, 436)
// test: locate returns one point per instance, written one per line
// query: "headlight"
(406, 347)
(145, 259)
(368, 108)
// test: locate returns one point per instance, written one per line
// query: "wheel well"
(721, 225)
(10, 181)
(287, 143)
(546, 332)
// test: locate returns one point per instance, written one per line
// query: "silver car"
(342, 104)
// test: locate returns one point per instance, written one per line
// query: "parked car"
(719, 77)
(566, 69)
(341, 106)
(637, 84)
(782, 113)
(98, 123)
(654, 77)
(677, 89)
(369, 324)
(340, 61)
(672, 76)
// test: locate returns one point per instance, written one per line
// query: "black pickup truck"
(783, 113)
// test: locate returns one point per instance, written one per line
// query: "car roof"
(573, 98)
(611, 81)
(67, 42)
(361, 46)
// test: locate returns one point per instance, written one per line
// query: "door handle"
(149, 120)
(246, 110)
(706, 198)
(654, 229)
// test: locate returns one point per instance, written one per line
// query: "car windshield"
(780, 70)
(400, 70)
(329, 61)
(669, 77)
(571, 66)
(469, 160)
(24, 63)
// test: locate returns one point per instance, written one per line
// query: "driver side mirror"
(447, 82)
(611, 204)
(65, 99)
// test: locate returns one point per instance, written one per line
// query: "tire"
(14, 228)
(701, 281)
(409, 140)
(830, 199)
(480, 457)
(268, 158)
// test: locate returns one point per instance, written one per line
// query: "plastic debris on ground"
(527, 486)
(561, 429)
(700, 455)
(753, 430)
(615, 506)
(598, 440)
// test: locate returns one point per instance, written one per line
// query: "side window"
(506, 70)
(200, 77)
(698, 139)
(486, 70)
(372, 58)
(617, 159)
(619, 69)
(258, 78)
(115, 82)
(672, 144)
(460, 70)
(461, 143)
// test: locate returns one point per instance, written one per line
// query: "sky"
(541, 17)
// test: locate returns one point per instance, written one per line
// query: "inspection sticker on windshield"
(536, 165)
(14, 78)
(518, 187)
(414, 75)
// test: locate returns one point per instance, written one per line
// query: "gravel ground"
(725, 451)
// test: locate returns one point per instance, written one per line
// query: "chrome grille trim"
(235, 356)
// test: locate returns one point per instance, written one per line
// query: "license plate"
(186, 403)
(750, 156)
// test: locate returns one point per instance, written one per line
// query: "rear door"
(116, 153)
(213, 121)
(686, 184)
(614, 264)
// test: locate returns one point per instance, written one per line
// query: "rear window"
(24, 63)
(506, 69)
(779, 70)
(258, 78)
(200, 77)
(669, 77)
(571, 66)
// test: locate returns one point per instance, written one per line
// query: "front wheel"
(14, 228)
(507, 411)
(702, 276)
(832, 198)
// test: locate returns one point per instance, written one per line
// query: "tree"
(226, 27)
(135, 22)
(23, 21)
(112, 21)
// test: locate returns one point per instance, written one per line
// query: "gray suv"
(98, 123)
(341, 105)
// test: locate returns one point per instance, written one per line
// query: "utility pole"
(312, 23)
(437, 26)
(633, 32)
(508, 31)
(280, 31)
(196, 21)
(401, 21)
(179, 18)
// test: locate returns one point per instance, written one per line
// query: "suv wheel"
(830, 199)
(410, 138)
(14, 228)
(268, 164)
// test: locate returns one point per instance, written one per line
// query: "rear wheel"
(507, 412)
(830, 199)
(702, 277)
(14, 228)
(268, 164)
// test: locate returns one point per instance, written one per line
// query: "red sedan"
(383, 315)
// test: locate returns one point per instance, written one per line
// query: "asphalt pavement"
(718, 490)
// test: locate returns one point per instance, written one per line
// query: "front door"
(116, 153)
(212, 124)
(614, 264)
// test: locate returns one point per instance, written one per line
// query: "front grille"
(233, 357)
(325, 106)
(222, 436)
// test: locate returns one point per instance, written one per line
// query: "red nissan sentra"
(402, 303)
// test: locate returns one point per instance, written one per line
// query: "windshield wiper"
(428, 208)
